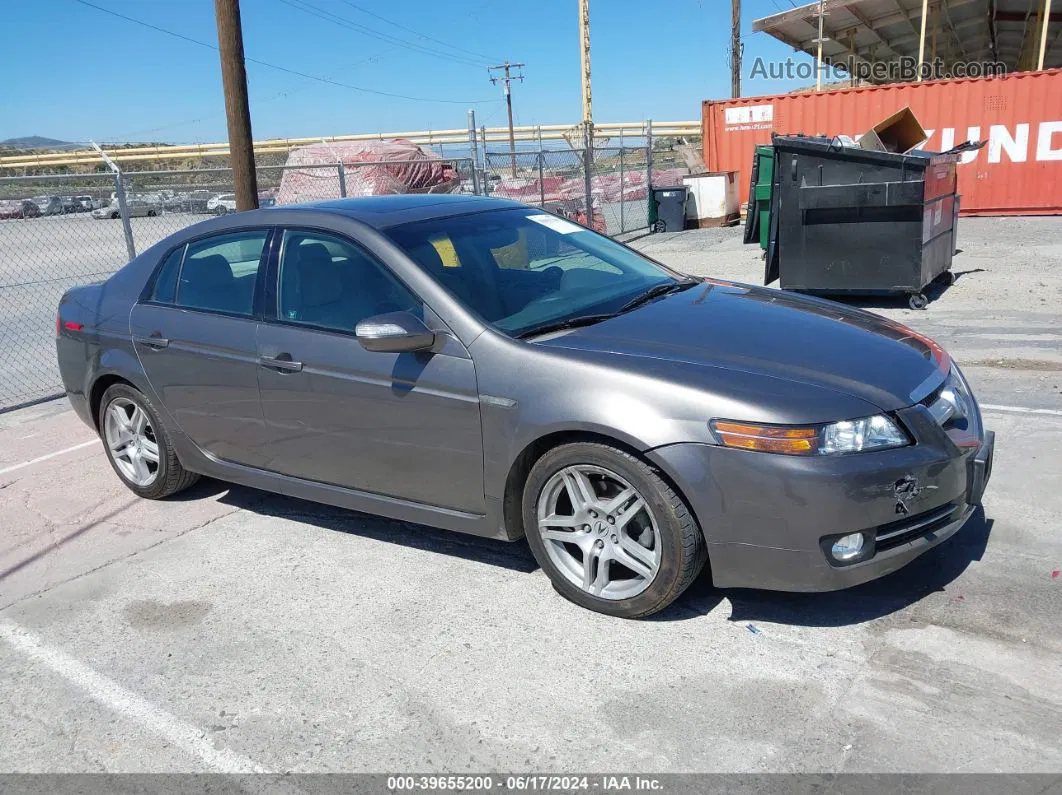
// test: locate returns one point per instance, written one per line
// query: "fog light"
(847, 547)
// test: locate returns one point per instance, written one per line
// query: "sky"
(86, 74)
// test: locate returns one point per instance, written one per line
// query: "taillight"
(69, 325)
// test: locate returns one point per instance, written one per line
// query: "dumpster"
(846, 220)
(758, 211)
(670, 209)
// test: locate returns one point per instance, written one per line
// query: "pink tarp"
(603, 187)
(371, 170)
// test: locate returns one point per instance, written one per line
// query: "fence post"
(588, 165)
(473, 150)
(486, 164)
(648, 168)
(623, 226)
(342, 179)
(127, 226)
(119, 191)
(541, 171)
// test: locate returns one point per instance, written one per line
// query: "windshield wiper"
(656, 291)
(565, 323)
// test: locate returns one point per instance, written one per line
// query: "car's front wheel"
(137, 445)
(609, 531)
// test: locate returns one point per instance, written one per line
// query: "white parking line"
(173, 730)
(50, 455)
(1021, 410)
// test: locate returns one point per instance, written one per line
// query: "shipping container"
(1019, 172)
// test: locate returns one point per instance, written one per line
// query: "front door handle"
(156, 341)
(282, 363)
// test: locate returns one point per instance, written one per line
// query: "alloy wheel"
(131, 441)
(599, 532)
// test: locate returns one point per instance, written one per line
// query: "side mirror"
(394, 332)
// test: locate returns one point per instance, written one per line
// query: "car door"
(194, 332)
(404, 425)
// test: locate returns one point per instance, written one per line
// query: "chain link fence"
(59, 231)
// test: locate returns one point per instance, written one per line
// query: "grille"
(895, 534)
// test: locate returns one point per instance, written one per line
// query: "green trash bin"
(758, 209)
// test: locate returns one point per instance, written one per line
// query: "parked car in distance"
(137, 208)
(49, 205)
(85, 203)
(71, 205)
(483, 366)
(222, 203)
(19, 208)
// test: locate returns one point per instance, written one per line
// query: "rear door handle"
(156, 341)
(282, 363)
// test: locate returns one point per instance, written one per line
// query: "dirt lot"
(232, 630)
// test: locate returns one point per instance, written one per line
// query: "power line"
(417, 32)
(284, 69)
(336, 19)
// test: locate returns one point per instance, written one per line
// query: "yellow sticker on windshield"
(444, 247)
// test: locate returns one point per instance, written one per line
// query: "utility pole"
(735, 48)
(588, 109)
(505, 80)
(237, 111)
(584, 61)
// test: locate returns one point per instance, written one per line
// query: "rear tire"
(634, 517)
(137, 445)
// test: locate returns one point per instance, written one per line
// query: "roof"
(380, 212)
(884, 31)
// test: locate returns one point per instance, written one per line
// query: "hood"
(772, 333)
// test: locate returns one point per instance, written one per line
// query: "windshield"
(522, 268)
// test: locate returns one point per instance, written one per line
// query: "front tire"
(609, 532)
(137, 445)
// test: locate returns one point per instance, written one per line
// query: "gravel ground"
(232, 630)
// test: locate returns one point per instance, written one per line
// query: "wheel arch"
(520, 468)
(99, 387)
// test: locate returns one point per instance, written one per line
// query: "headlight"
(847, 436)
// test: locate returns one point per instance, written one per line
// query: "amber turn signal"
(767, 438)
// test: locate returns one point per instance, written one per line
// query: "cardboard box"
(900, 133)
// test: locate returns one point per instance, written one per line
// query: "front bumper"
(768, 519)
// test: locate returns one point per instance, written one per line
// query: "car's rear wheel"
(609, 531)
(137, 445)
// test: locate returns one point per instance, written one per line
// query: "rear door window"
(219, 273)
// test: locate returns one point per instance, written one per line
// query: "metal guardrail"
(550, 132)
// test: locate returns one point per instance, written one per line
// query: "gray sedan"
(483, 366)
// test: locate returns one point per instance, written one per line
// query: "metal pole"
(127, 226)
(486, 160)
(818, 58)
(237, 111)
(473, 150)
(922, 39)
(623, 227)
(1043, 33)
(648, 166)
(119, 195)
(342, 179)
(541, 172)
(588, 166)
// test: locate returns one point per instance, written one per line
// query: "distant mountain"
(38, 142)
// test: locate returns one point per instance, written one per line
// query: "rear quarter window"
(165, 291)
